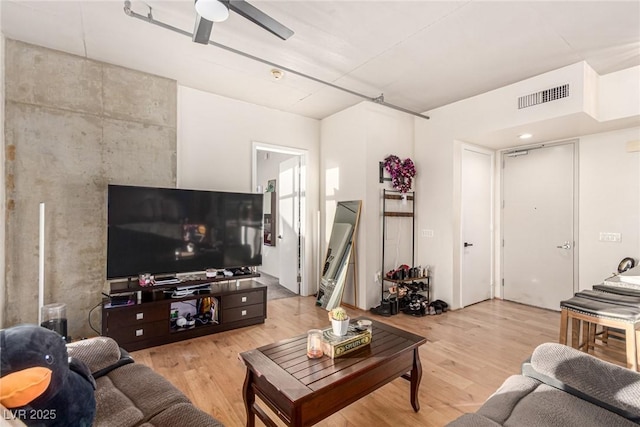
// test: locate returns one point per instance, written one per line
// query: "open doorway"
(278, 173)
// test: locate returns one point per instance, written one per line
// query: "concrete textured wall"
(73, 125)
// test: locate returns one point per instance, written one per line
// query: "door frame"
(305, 288)
(492, 155)
(576, 205)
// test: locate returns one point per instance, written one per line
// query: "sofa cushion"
(97, 353)
(616, 387)
(524, 401)
(548, 406)
(182, 414)
(148, 391)
(114, 408)
(501, 403)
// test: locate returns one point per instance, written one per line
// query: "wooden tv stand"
(147, 320)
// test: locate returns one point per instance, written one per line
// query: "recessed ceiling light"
(277, 74)
(525, 136)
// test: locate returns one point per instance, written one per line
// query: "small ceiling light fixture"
(277, 74)
(212, 10)
(525, 136)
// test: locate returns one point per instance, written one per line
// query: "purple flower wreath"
(401, 172)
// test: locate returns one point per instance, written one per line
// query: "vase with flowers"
(339, 321)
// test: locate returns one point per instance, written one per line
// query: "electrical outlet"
(427, 233)
(610, 237)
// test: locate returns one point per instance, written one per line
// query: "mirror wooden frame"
(341, 253)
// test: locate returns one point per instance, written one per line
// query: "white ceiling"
(419, 54)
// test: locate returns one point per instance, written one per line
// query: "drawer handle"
(243, 312)
(244, 299)
(139, 332)
(139, 316)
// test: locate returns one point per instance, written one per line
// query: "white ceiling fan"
(210, 11)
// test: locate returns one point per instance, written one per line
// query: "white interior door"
(538, 225)
(477, 220)
(289, 223)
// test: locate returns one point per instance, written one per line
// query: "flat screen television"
(164, 231)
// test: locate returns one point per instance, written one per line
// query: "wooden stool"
(586, 312)
(606, 332)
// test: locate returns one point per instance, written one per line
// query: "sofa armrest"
(100, 354)
(612, 387)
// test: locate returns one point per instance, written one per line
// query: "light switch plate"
(610, 237)
(427, 233)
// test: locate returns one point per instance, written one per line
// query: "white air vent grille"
(543, 96)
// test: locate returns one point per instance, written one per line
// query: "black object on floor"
(382, 310)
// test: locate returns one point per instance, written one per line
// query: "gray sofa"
(561, 386)
(131, 394)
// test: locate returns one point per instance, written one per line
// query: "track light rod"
(378, 100)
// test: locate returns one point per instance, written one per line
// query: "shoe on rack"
(399, 273)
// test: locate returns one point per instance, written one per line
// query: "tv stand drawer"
(243, 299)
(133, 333)
(136, 315)
(241, 313)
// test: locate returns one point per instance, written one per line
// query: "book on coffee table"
(336, 346)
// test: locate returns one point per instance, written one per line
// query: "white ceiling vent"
(543, 96)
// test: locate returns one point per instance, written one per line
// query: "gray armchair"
(561, 386)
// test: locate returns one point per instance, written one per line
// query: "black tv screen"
(168, 231)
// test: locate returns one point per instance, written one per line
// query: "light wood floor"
(469, 353)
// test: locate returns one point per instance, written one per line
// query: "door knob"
(466, 245)
(279, 236)
(566, 245)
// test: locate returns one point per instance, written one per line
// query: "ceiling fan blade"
(260, 18)
(202, 30)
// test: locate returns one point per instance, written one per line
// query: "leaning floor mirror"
(340, 256)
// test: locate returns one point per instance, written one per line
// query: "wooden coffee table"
(303, 391)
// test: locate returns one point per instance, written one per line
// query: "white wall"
(437, 149)
(609, 202)
(438, 143)
(498, 109)
(388, 132)
(434, 152)
(618, 94)
(342, 163)
(215, 136)
(353, 142)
